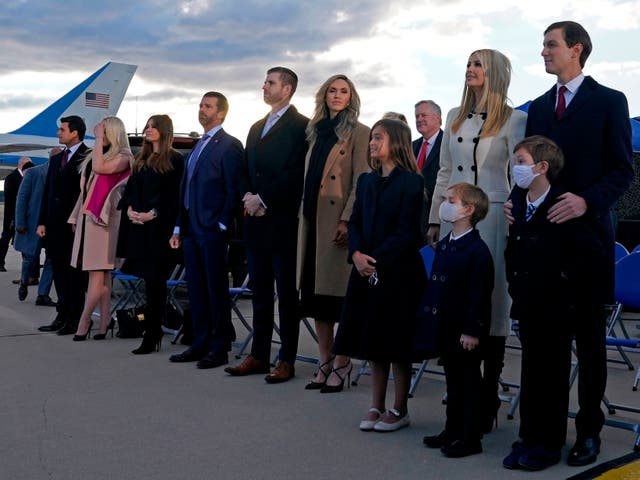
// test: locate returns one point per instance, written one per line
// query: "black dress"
(146, 247)
(378, 321)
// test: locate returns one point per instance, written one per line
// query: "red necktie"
(422, 155)
(65, 158)
(562, 106)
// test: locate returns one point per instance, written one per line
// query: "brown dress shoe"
(283, 372)
(249, 366)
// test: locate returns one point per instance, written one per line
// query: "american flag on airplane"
(100, 100)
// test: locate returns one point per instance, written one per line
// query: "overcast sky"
(396, 52)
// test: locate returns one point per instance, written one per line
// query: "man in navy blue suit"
(208, 197)
(427, 152)
(590, 123)
(271, 180)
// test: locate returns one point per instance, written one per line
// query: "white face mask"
(523, 175)
(449, 212)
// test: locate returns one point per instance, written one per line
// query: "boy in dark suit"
(540, 262)
(459, 296)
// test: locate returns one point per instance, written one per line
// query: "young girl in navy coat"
(459, 297)
(388, 273)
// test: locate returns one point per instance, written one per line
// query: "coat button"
(460, 168)
(470, 115)
(476, 139)
(332, 202)
(444, 246)
(442, 278)
(434, 277)
(342, 152)
(473, 168)
(434, 310)
(333, 177)
(459, 139)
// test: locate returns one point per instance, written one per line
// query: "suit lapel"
(581, 97)
(336, 152)
(210, 147)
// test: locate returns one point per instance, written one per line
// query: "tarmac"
(92, 410)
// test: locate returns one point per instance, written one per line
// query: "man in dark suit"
(590, 123)
(11, 186)
(208, 198)
(427, 152)
(61, 191)
(271, 180)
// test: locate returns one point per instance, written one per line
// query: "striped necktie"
(531, 209)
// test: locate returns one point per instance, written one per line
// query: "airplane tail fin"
(97, 97)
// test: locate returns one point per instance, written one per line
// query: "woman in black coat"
(388, 275)
(151, 205)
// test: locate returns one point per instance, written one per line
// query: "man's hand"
(468, 342)
(41, 231)
(570, 206)
(252, 203)
(506, 208)
(174, 241)
(433, 234)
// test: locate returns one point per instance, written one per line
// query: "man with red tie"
(427, 151)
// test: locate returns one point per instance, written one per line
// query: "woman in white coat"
(477, 147)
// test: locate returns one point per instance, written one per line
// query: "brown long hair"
(159, 161)
(400, 150)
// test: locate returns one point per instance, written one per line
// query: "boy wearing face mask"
(459, 297)
(541, 259)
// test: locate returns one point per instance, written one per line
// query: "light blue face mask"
(523, 175)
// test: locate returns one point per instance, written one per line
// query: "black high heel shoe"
(318, 385)
(82, 338)
(340, 386)
(102, 336)
(148, 345)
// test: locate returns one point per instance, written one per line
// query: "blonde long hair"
(497, 76)
(349, 117)
(116, 134)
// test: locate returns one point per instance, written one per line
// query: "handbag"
(130, 322)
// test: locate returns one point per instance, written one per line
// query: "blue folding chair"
(636, 250)
(621, 251)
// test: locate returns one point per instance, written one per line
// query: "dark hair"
(543, 149)
(159, 161)
(222, 102)
(400, 150)
(472, 195)
(574, 33)
(287, 77)
(76, 124)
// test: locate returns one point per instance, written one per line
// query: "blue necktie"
(193, 159)
(531, 209)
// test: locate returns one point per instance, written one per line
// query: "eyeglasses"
(373, 279)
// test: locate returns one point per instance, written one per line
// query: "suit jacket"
(273, 167)
(595, 136)
(28, 208)
(213, 191)
(60, 195)
(429, 173)
(11, 186)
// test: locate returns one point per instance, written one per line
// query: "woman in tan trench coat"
(104, 173)
(338, 146)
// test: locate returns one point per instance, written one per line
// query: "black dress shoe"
(584, 451)
(2, 268)
(53, 326)
(45, 301)
(22, 291)
(437, 441)
(462, 448)
(213, 360)
(188, 355)
(68, 328)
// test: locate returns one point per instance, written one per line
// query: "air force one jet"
(97, 97)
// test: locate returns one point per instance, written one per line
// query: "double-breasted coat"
(485, 162)
(346, 161)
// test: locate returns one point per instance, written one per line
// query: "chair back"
(636, 250)
(627, 286)
(428, 254)
(621, 251)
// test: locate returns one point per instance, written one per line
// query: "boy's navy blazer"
(213, 192)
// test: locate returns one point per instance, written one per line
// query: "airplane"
(99, 96)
